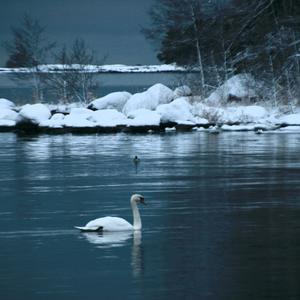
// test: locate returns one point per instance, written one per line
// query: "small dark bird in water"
(136, 160)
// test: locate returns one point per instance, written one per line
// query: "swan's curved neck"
(137, 223)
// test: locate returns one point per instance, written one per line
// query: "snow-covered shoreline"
(158, 109)
(116, 68)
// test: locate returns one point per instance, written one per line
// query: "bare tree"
(29, 48)
(74, 80)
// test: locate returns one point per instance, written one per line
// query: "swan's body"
(115, 223)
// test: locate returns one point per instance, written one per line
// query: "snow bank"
(4, 103)
(238, 87)
(143, 117)
(36, 113)
(176, 111)
(293, 119)
(108, 118)
(150, 99)
(114, 100)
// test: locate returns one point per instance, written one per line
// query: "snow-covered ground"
(158, 107)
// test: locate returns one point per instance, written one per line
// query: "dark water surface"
(222, 221)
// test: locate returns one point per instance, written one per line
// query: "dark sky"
(108, 26)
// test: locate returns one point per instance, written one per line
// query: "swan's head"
(137, 198)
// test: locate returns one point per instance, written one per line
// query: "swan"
(115, 223)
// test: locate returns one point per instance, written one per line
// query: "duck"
(116, 223)
(136, 160)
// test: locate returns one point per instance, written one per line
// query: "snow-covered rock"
(182, 91)
(150, 99)
(78, 117)
(75, 121)
(238, 87)
(7, 123)
(56, 121)
(114, 100)
(293, 119)
(4, 103)
(143, 117)
(8, 114)
(81, 112)
(177, 110)
(108, 118)
(35, 113)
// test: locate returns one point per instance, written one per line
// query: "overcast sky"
(109, 27)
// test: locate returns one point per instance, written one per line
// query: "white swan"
(115, 223)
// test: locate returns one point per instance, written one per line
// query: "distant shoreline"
(116, 68)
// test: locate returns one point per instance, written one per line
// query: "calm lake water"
(222, 221)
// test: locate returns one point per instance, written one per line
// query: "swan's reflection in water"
(137, 254)
(108, 239)
(119, 239)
